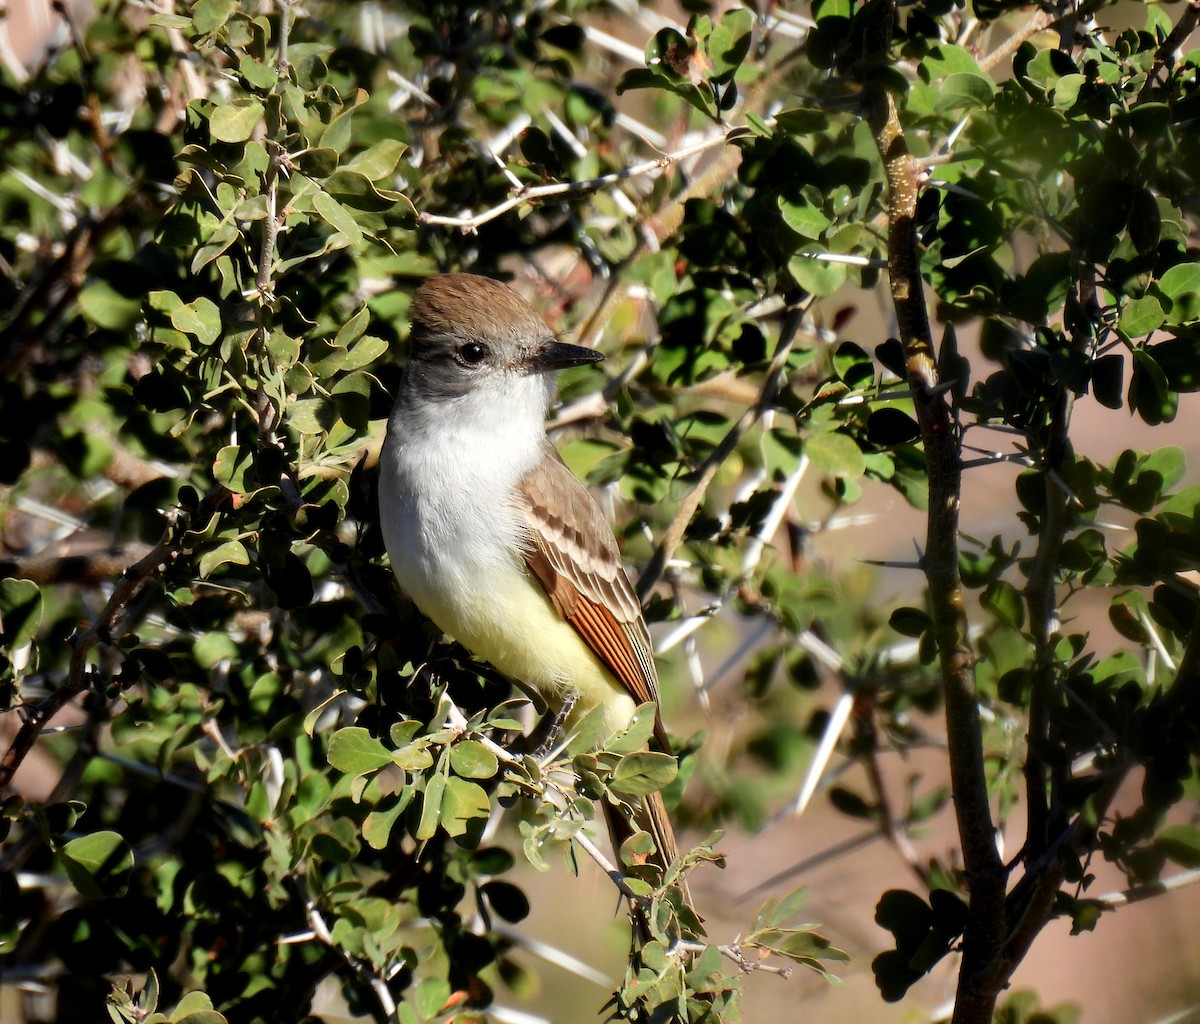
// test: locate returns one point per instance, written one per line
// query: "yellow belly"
(513, 626)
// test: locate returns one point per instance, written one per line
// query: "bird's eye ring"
(471, 353)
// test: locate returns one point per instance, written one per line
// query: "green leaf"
(1166, 466)
(220, 240)
(257, 73)
(431, 806)
(1108, 376)
(730, 42)
(104, 306)
(380, 160)
(1003, 600)
(835, 454)
(210, 15)
(20, 612)
(965, 91)
(338, 217)
(98, 864)
(472, 760)
(236, 122)
(212, 648)
(1150, 394)
(1141, 316)
(432, 995)
(802, 217)
(413, 757)
(352, 329)
(354, 751)
(646, 771)
(232, 552)
(201, 318)
(232, 464)
(1180, 286)
(641, 728)
(377, 829)
(356, 190)
(913, 622)
(463, 803)
(817, 277)
(202, 1017)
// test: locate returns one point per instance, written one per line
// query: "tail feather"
(650, 816)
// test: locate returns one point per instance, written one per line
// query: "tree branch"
(99, 632)
(691, 502)
(474, 221)
(263, 284)
(1165, 55)
(985, 874)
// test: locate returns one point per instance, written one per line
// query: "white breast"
(447, 474)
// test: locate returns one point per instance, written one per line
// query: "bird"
(493, 537)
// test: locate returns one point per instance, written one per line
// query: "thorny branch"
(985, 874)
(531, 195)
(100, 632)
(687, 507)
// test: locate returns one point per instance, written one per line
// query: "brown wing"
(574, 556)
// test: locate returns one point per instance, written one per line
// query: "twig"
(733, 951)
(1124, 898)
(553, 955)
(321, 932)
(691, 502)
(1165, 54)
(888, 823)
(1039, 22)
(617, 877)
(472, 222)
(829, 740)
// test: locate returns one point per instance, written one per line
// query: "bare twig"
(1039, 22)
(1125, 897)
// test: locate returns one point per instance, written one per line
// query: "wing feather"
(574, 556)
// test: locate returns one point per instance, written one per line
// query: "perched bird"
(489, 532)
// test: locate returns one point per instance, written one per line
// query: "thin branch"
(472, 222)
(607, 866)
(101, 632)
(733, 951)
(834, 728)
(1166, 54)
(1123, 898)
(692, 500)
(1039, 22)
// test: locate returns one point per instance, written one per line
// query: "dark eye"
(471, 353)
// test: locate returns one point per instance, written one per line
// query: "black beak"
(557, 355)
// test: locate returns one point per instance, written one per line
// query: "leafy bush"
(275, 773)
